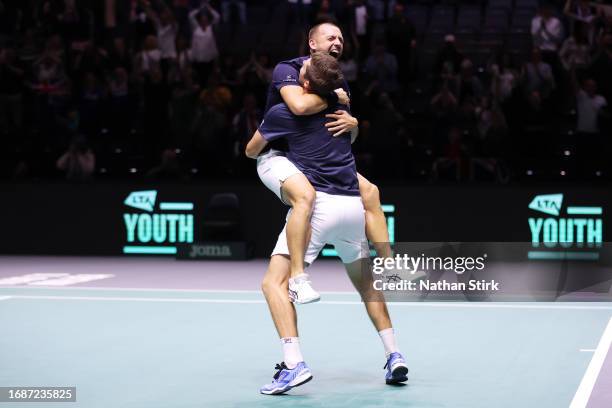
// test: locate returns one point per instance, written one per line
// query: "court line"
(5, 297)
(587, 350)
(99, 288)
(583, 393)
(329, 302)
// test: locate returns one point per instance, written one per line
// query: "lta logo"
(150, 232)
(579, 227)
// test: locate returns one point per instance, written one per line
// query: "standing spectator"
(538, 79)
(602, 67)
(467, 85)
(300, 12)
(149, 58)
(233, 8)
(448, 59)
(360, 29)
(167, 30)
(203, 42)
(547, 34)
(78, 162)
(576, 51)
(244, 125)
(504, 78)
(401, 39)
(381, 68)
(589, 106)
(582, 15)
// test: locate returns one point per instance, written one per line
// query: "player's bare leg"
(361, 277)
(376, 223)
(300, 194)
(274, 287)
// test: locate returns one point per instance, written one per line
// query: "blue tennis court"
(128, 340)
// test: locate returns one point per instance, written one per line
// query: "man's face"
(328, 38)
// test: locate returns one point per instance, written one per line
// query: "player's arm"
(255, 145)
(300, 102)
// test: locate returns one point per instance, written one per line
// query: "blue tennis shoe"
(287, 378)
(397, 370)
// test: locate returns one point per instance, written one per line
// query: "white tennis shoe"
(300, 290)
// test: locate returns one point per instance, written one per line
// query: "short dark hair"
(315, 28)
(323, 74)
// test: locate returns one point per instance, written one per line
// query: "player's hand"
(343, 98)
(343, 122)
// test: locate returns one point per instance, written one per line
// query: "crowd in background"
(173, 89)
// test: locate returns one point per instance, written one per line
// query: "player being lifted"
(284, 179)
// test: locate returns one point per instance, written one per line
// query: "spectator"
(349, 67)
(203, 42)
(91, 104)
(504, 78)
(576, 51)
(234, 8)
(448, 59)
(119, 56)
(589, 107)
(547, 34)
(381, 68)
(602, 66)
(300, 12)
(325, 12)
(547, 30)
(210, 143)
(167, 30)
(538, 78)
(582, 15)
(244, 125)
(149, 59)
(168, 169)
(121, 103)
(79, 162)
(401, 39)
(360, 29)
(467, 86)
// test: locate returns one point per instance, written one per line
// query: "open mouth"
(334, 53)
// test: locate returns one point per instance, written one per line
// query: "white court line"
(5, 297)
(587, 350)
(331, 302)
(583, 393)
(99, 288)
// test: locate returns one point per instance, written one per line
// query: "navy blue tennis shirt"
(326, 161)
(288, 73)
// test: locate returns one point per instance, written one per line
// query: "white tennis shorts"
(273, 168)
(336, 220)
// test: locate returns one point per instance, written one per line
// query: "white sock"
(388, 339)
(291, 351)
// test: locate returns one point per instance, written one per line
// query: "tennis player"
(337, 219)
(284, 179)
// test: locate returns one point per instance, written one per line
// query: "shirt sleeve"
(284, 74)
(277, 123)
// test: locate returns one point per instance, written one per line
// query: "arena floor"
(155, 332)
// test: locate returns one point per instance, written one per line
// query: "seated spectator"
(79, 162)
(168, 169)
